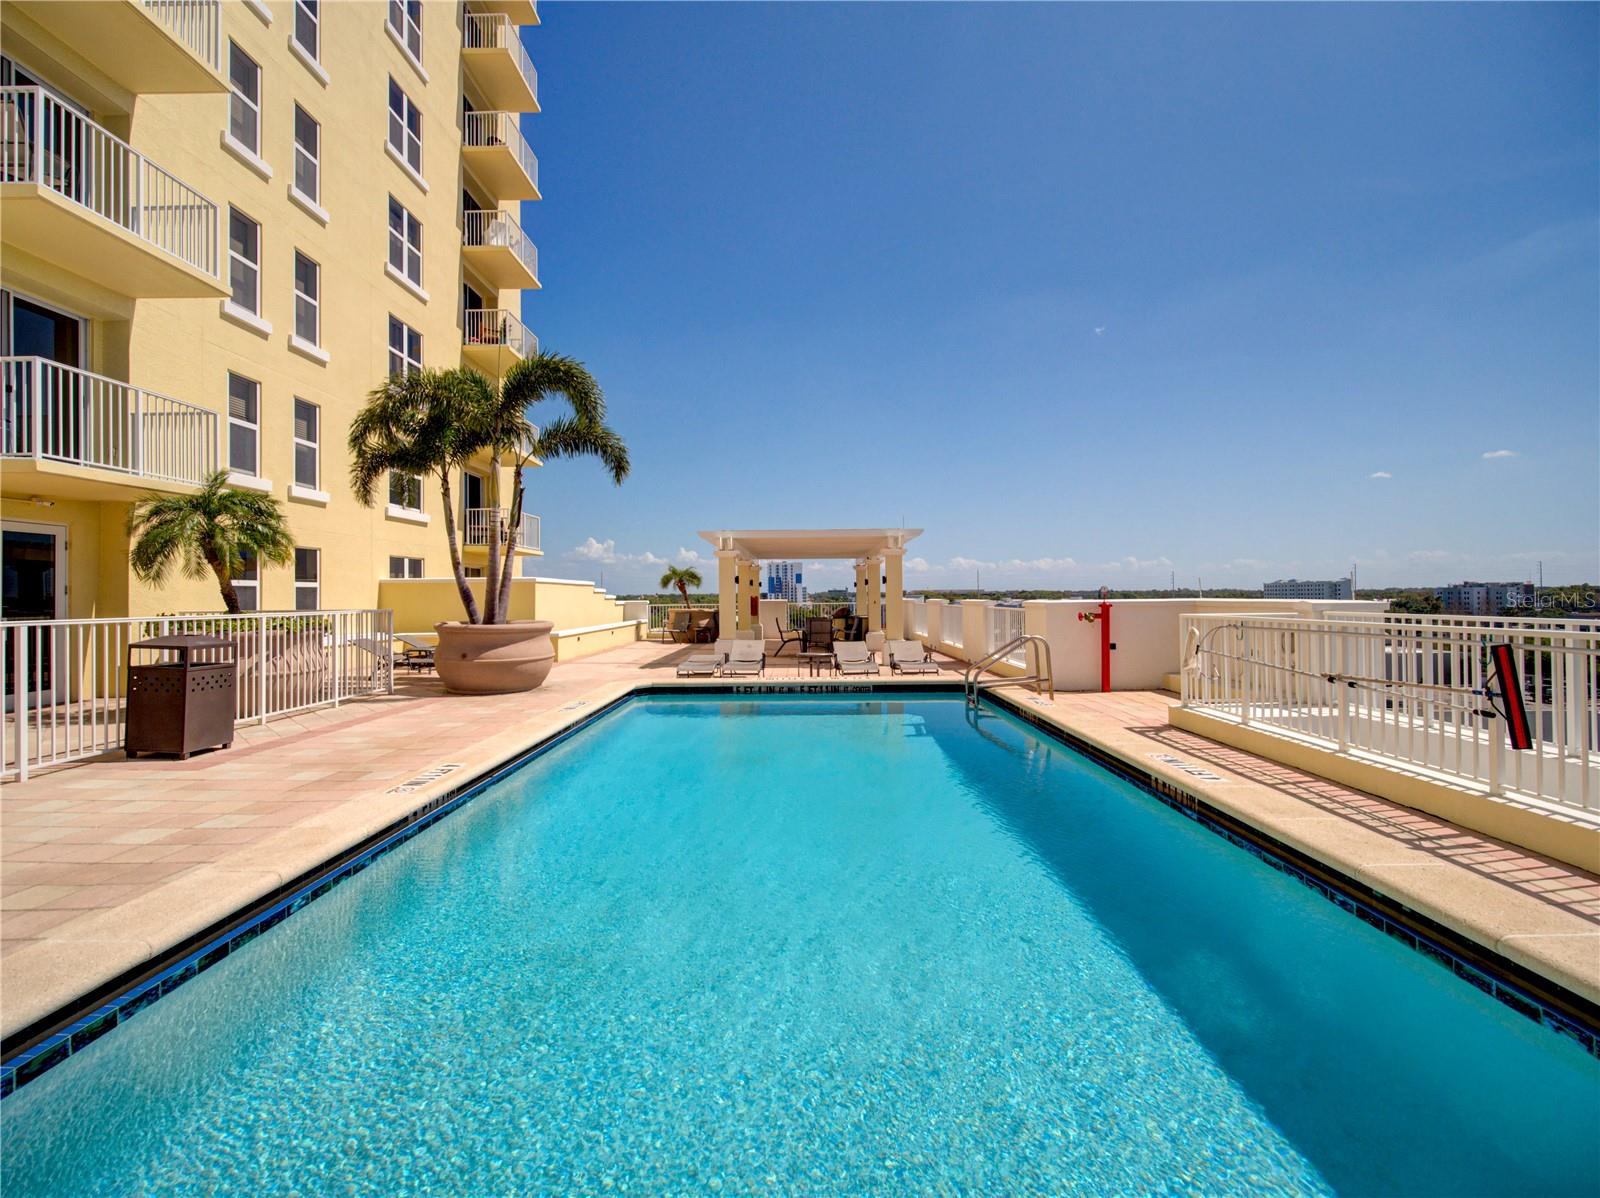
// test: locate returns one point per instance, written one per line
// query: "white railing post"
(19, 701)
(261, 668)
(36, 370)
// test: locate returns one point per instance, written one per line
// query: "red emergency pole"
(1103, 618)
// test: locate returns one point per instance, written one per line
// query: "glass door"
(33, 586)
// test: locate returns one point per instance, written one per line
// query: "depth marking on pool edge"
(422, 779)
(1194, 771)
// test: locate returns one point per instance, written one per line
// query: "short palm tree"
(215, 529)
(432, 422)
(682, 577)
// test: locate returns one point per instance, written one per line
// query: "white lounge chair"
(418, 653)
(704, 665)
(853, 657)
(910, 657)
(746, 657)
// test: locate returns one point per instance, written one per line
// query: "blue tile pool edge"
(56, 1037)
(1531, 995)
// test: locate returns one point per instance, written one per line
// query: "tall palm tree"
(215, 529)
(682, 577)
(433, 421)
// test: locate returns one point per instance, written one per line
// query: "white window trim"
(246, 155)
(253, 425)
(409, 515)
(410, 365)
(259, 7)
(399, 160)
(246, 319)
(254, 264)
(255, 104)
(388, 269)
(315, 210)
(315, 302)
(314, 159)
(249, 482)
(306, 350)
(297, 442)
(315, 585)
(318, 71)
(308, 495)
(399, 40)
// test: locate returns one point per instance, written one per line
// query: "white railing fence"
(195, 23)
(489, 129)
(498, 326)
(661, 613)
(69, 415)
(66, 680)
(43, 141)
(494, 31)
(480, 523)
(950, 624)
(1411, 690)
(1005, 624)
(916, 618)
(491, 228)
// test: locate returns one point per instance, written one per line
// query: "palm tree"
(434, 421)
(215, 529)
(682, 577)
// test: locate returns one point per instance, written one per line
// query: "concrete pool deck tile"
(294, 794)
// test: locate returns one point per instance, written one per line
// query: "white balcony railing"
(1411, 692)
(63, 414)
(497, 327)
(483, 130)
(481, 522)
(494, 31)
(495, 228)
(195, 23)
(65, 680)
(950, 624)
(44, 142)
(1005, 624)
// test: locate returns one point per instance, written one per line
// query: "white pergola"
(878, 554)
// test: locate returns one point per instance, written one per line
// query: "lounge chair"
(417, 654)
(910, 657)
(703, 665)
(746, 657)
(853, 657)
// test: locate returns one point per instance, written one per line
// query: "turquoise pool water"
(815, 946)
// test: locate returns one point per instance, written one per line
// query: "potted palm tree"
(432, 423)
(682, 577)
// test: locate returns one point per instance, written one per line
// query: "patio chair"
(818, 635)
(417, 654)
(855, 628)
(746, 657)
(786, 634)
(681, 625)
(708, 629)
(853, 657)
(910, 657)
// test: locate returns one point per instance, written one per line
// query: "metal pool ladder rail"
(1043, 675)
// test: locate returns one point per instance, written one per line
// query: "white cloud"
(690, 557)
(916, 565)
(1493, 454)
(605, 553)
(1430, 555)
(1380, 474)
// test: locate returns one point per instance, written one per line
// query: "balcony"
(146, 46)
(480, 524)
(89, 203)
(67, 432)
(493, 340)
(495, 246)
(518, 12)
(494, 150)
(496, 61)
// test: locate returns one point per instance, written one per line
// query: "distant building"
(1485, 598)
(1305, 588)
(784, 582)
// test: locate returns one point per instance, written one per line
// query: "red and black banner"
(1515, 713)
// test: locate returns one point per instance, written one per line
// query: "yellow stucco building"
(222, 223)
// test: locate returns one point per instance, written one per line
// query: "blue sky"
(1090, 293)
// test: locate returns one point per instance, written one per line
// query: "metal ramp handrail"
(1043, 673)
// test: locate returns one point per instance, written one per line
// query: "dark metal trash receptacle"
(178, 704)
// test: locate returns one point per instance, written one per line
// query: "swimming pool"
(815, 945)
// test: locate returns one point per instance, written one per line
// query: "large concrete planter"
(493, 659)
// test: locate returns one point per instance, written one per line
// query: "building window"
(405, 567)
(307, 155)
(405, 242)
(307, 466)
(306, 22)
(405, 127)
(244, 261)
(244, 424)
(405, 18)
(405, 347)
(307, 571)
(247, 583)
(307, 299)
(405, 491)
(244, 108)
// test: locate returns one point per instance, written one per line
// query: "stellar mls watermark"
(1564, 597)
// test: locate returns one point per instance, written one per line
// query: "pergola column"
(872, 570)
(749, 589)
(894, 623)
(727, 591)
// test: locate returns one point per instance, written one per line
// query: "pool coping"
(45, 1042)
